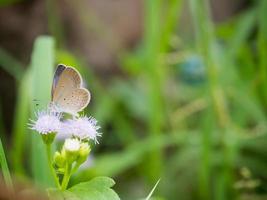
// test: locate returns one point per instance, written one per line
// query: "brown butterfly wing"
(68, 80)
(58, 72)
(75, 101)
(67, 93)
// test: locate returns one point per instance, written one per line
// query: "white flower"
(47, 122)
(82, 128)
(72, 145)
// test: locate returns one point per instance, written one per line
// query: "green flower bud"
(59, 159)
(83, 152)
(71, 148)
(61, 170)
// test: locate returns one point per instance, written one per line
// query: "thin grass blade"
(152, 191)
(4, 165)
(11, 65)
(19, 129)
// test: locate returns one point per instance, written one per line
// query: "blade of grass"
(2, 126)
(11, 65)
(152, 191)
(171, 21)
(4, 165)
(42, 73)
(262, 49)
(54, 22)
(243, 30)
(204, 169)
(19, 127)
(153, 75)
(206, 43)
(157, 34)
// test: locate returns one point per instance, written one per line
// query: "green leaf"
(97, 189)
(42, 67)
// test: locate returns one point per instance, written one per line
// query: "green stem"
(49, 157)
(75, 168)
(66, 177)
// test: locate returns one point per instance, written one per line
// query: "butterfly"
(68, 94)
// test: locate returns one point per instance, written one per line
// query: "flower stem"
(49, 157)
(75, 168)
(66, 177)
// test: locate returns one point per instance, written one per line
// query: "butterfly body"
(67, 92)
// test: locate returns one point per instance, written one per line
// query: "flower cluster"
(77, 131)
(83, 128)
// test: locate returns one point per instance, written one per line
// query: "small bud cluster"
(73, 151)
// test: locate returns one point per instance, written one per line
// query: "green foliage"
(96, 189)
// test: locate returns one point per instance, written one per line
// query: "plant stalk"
(49, 157)
(66, 177)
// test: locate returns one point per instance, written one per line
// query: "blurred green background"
(179, 88)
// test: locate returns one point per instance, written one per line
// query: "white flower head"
(82, 128)
(72, 145)
(47, 122)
